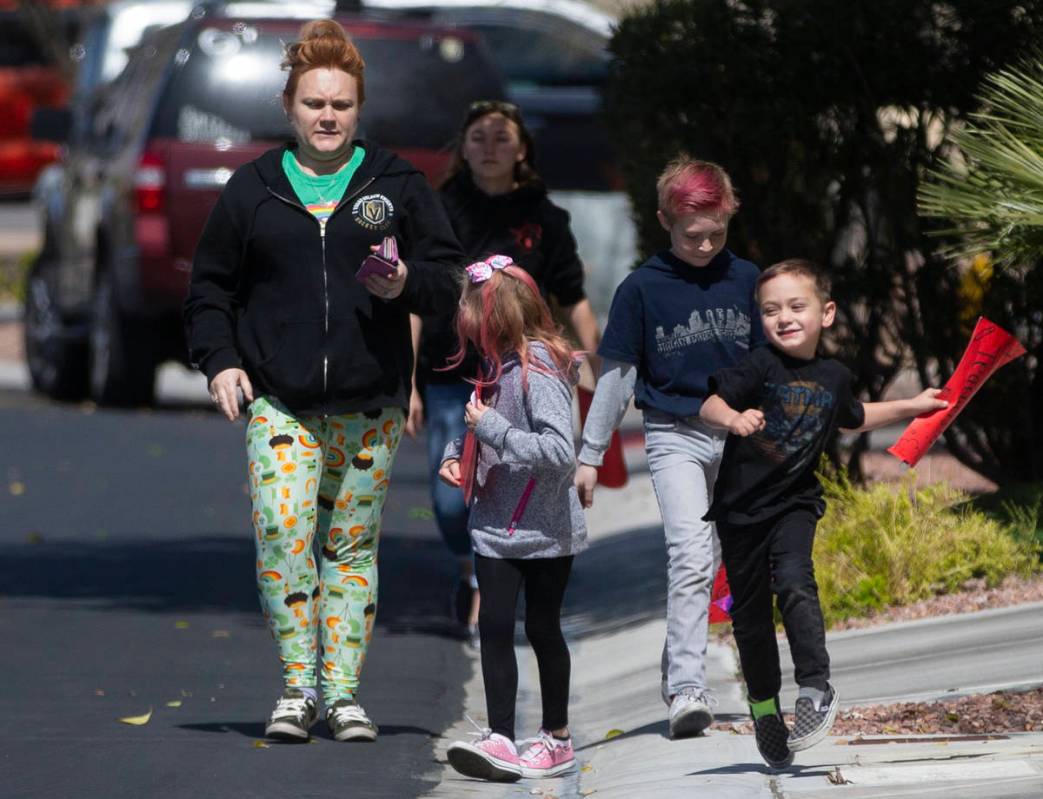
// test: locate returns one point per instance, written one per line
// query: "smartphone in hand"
(383, 262)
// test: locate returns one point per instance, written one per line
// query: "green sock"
(761, 709)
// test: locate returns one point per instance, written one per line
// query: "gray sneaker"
(349, 722)
(811, 724)
(690, 712)
(293, 716)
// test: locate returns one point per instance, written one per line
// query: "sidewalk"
(614, 620)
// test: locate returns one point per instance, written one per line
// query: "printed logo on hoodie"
(373, 212)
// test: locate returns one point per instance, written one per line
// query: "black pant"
(775, 558)
(499, 581)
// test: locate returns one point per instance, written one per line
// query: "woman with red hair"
(275, 314)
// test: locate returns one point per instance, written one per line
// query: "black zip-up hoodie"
(523, 224)
(275, 294)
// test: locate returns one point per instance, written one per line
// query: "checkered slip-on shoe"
(811, 724)
(772, 739)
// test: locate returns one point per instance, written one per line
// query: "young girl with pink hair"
(526, 521)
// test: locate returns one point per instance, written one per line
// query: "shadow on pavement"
(618, 582)
(746, 768)
(660, 728)
(214, 573)
(254, 729)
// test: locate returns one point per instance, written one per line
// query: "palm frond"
(993, 194)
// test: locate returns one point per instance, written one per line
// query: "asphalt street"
(126, 584)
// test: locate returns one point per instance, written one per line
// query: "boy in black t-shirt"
(781, 405)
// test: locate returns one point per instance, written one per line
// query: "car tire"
(122, 359)
(55, 350)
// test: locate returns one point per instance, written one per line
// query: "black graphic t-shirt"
(678, 324)
(804, 403)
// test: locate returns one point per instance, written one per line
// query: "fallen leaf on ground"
(836, 777)
(137, 721)
(613, 733)
(174, 703)
(181, 625)
(261, 745)
(586, 767)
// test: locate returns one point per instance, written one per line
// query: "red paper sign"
(990, 348)
(469, 460)
(612, 473)
(720, 598)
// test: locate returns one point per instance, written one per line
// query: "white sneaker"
(690, 712)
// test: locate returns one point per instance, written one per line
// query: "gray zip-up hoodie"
(526, 439)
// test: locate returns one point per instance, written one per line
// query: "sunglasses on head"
(491, 106)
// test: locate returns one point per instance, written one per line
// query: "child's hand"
(927, 401)
(475, 410)
(747, 423)
(449, 471)
(585, 480)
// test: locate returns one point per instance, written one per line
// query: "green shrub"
(895, 544)
(1018, 506)
(13, 271)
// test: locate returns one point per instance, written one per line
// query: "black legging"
(499, 581)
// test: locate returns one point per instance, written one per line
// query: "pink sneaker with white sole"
(547, 757)
(491, 757)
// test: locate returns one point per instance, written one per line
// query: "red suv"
(197, 100)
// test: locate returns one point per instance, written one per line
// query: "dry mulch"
(981, 714)
(974, 596)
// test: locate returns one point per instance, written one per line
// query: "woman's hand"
(387, 288)
(474, 411)
(450, 472)
(224, 391)
(415, 419)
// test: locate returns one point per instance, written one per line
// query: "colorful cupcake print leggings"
(325, 477)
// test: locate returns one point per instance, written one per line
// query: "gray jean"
(683, 457)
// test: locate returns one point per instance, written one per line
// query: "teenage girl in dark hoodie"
(274, 312)
(497, 204)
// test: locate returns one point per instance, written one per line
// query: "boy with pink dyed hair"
(685, 313)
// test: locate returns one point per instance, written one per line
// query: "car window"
(228, 84)
(122, 109)
(18, 46)
(535, 48)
